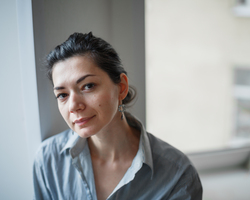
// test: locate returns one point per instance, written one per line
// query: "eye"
(61, 96)
(88, 86)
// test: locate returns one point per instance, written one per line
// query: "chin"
(84, 133)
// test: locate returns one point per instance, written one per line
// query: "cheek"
(109, 103)
(105, 102)
(63, 111)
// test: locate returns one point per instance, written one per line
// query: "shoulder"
(168, 158)
(181, 178)
(167, 154)
(51, 147)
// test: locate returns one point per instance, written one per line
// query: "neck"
(120, 141)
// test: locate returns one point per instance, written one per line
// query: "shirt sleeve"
(41, 192)
(187, 188)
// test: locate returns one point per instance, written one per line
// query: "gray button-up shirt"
(63, 171)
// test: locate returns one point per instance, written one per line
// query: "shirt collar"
(76, 144)
(145, 153)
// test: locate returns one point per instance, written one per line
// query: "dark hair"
(101, 52)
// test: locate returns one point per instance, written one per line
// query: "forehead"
(73, 68)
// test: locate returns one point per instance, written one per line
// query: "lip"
(82, 121)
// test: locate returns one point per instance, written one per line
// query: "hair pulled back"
(101, 52)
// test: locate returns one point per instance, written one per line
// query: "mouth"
(82, 121)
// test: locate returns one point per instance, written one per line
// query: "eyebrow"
(83, 77)
(78, 81)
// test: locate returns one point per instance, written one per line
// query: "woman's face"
(87, 98)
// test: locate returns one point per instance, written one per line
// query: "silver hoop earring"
(122, 108)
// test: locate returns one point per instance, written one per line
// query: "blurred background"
(190, 63)
(197, 60)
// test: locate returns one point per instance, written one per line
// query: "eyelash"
(83, 88)
(58, 96)
(88, 84)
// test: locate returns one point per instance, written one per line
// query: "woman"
(106, 153)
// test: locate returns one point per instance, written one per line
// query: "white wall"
(192, 48)
(20, 131)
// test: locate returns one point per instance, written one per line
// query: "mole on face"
(99, 105)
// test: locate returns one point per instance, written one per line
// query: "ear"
(123, 85)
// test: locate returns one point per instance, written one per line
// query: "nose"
(76, 103)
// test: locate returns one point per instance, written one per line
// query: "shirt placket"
(77, 165)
